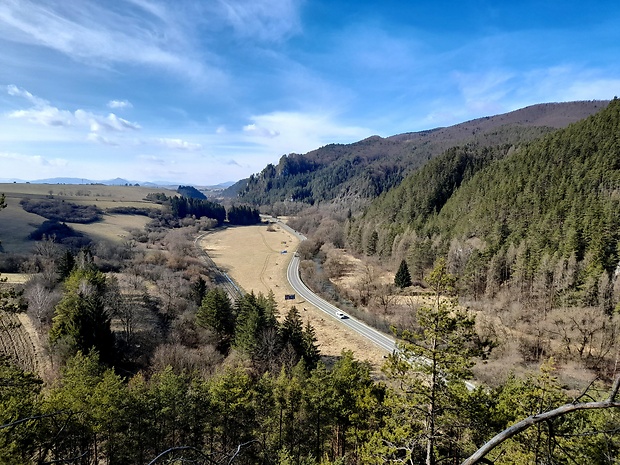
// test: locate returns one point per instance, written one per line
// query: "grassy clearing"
(15, 278)
(80, 191)
(114, 228)
(16, 224)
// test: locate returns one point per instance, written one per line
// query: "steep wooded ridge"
(551, 206)
(365, 169)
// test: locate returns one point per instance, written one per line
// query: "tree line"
(192, 206)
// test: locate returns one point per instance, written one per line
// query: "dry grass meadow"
(252, 256)
(16, 224)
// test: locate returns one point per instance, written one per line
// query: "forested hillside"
(363, 170)
(548, 211)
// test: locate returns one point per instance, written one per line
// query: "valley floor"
(253, 256)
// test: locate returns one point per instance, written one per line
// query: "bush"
(60, 233)
(132, 211)
(60, 210)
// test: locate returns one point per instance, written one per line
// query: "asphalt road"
(379, 339)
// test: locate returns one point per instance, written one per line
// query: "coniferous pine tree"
(403, 277)
(82, 319)
(216, 313)
(430, 365)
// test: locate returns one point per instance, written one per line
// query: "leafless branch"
(585, 391)
(239, 449)
(542, 417)
(69, 460)
(34, 417)
(233, 454)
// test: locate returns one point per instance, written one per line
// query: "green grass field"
(16, 224)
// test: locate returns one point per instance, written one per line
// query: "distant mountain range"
(110, 182)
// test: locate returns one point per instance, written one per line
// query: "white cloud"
(42, 112)
(178, 144)
(597, 89)
(45, 114)
(119, 104)
(33, 160)
(15, 91)
(300, 132)
(108, 123)
(99, 35)
(98, 138)
(259, 131)
(564, 83)
(482, 92)
(152, 159)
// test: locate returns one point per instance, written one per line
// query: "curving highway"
(381, 340)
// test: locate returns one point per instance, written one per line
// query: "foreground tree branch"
(610, 402)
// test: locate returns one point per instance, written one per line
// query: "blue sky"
(209, 91)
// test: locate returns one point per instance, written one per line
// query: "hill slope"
(365, 169)
(554, 203)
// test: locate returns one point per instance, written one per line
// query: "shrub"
(61, 210)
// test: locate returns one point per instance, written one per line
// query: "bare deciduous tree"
(41, 302)
(385, 297)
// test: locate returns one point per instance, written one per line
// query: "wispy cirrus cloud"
(148, 32)
(262, 20)
(99, 35)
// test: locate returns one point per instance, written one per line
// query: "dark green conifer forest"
(548, 208)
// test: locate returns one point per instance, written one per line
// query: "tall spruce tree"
(402, 278)
(292, 330)
(216, 313)
(311, 353)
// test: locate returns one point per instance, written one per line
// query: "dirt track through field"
(256, 258)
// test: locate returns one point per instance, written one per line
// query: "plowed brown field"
(16, 342)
